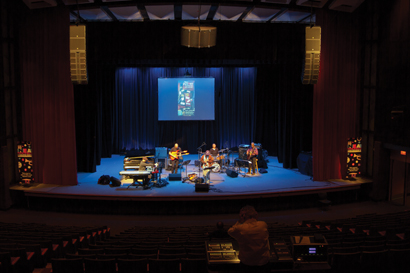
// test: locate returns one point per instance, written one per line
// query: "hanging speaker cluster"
(312, 57)
(198, 36)
(78, 63)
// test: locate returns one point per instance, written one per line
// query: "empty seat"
(100, 266)
(345, 262)
(164, 265)
(63, 265)
(194, 265)
(91, 251)
(114, 256)
(398, 260)
(132, 265)
(374, 261)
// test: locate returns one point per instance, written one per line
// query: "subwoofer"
(174, 177)
(201, 187)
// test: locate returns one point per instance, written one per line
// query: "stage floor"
(276, 182)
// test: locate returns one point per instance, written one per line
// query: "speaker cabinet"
(174, 177)
(312, 55)
(231, 173)
(201, 187)
(78, 62)
(198, 37)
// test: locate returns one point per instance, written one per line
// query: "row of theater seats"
(26, 246)
(143, 249)
(366, 243)
(377, 242)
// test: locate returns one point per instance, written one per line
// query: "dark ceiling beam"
(257, 4)
(143, 10)
(245, 13)
(279, 13)
(109, 13)
(212, 11)
(76, 15)
(178, 12)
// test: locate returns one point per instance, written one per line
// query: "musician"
(143, 167)
(252, 154)
(207, 160)
(214, 151)
(144, 163)
(175, 159)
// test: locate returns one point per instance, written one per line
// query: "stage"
(279, 188)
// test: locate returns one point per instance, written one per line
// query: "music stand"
(185, 163)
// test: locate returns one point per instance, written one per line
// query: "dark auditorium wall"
(392, 91)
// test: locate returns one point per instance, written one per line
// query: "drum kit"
(220, 162)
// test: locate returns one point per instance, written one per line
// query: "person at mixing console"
(252, 236)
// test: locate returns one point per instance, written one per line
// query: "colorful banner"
(354, 157)
(25, 162)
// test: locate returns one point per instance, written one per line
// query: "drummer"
(214, 151)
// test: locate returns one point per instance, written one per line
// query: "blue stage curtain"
(135, 110)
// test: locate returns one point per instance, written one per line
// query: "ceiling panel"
(260, 15)
(94, 14)
(190, 12)
(160, 12)
(127, 13)
(291, 16)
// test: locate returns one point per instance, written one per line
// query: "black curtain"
(281, 117)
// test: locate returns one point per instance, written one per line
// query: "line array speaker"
(78, 62)
(312, 57)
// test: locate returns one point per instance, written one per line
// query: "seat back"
(62, 265)
(132, 265)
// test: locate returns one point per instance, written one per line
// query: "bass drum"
(216, 168)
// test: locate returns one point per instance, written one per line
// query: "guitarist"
(252, 154)
(207, 160)
(174, 155)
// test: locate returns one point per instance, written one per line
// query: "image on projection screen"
(186, 99)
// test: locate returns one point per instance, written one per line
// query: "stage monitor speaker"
(78, 62)
(312, 57)
(304, 163)
(231, 173)
(174, 177)
(202, 187)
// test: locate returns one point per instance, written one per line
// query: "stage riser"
(201, 207)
